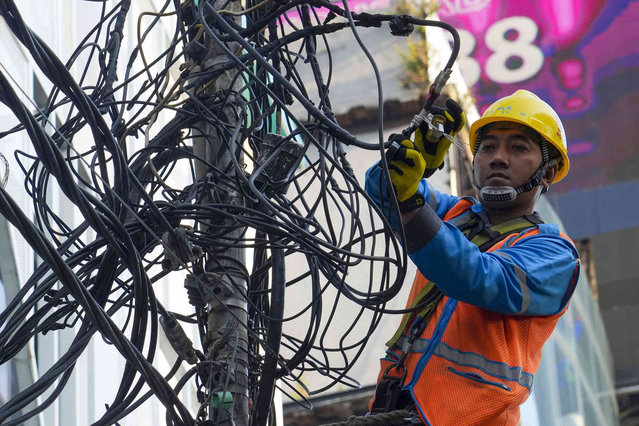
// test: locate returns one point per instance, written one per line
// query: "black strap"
(485, 235)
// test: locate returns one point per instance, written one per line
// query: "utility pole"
(226, 342)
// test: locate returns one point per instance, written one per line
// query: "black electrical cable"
(274, 336)
(136, 186)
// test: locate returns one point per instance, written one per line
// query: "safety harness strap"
(428, 289)
(495, 234)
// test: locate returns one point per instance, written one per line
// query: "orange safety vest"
(470, 366)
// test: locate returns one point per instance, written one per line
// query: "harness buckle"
(389, 395)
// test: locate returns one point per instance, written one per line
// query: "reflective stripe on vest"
(471, 359)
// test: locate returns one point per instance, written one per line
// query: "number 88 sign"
(513, 58)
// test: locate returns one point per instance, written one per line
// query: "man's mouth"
(497, 175)
(498, 179)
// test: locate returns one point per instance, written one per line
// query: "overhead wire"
(130, 196)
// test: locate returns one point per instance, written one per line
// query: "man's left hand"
(434, 152)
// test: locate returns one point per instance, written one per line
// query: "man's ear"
(549, 175)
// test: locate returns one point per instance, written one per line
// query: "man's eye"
(518, 147)
(486, 148)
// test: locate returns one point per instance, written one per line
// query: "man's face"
(506, 157)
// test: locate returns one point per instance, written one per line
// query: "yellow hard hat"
(526, 108)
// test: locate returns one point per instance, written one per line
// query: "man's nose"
(500, 157)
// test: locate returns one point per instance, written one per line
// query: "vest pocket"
(478, 378)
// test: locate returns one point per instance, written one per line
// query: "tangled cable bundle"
(176, 161)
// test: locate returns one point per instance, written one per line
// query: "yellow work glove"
(434, 146)
(406, 171)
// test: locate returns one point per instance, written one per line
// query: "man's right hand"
(406, 171)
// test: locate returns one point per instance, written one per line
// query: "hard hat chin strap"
(503, 196)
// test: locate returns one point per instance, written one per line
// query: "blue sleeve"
(375, 186)
(535, 276)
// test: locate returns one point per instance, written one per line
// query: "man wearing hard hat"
(493, 278)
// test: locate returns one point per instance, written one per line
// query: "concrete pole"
(226, 341)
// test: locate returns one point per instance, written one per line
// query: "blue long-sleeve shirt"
(535, 276)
